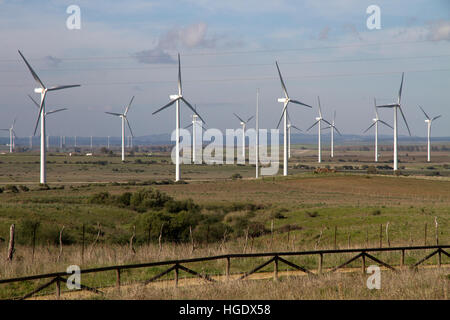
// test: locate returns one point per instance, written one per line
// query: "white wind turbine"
(124, 118)
(319, 120)
(175, 98)
(12, 136)
(333, 128)
(285, 102)
(46, 114)
(289, 126)
(194, 124)
(375, 123)
(429, 121)
(43, 91)
(396, 106)
(243, 124)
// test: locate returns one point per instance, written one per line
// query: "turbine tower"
(175, 98)
(257, 135)
(428, 121)
(290, 125)
(285, 102)
(333, 128)
(124, 118)
(397, 106)
(375, 123)
(243, 124)
(12, 136)
(43, 91)
(319, 120)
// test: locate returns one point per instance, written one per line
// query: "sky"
(228, 50)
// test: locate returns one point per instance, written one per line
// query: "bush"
(376, 212)
(236, 176)
(11, 188)
(312, 214)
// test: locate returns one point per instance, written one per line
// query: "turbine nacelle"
(318, 118)
(283, 100)
(175, 96)
(427, 120)
(39, 90)
(375, 119)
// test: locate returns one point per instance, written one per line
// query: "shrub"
(236, 176)
(376, 212)
(312, 214)
(11, 188)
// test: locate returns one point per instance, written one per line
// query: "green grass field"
(305, 210)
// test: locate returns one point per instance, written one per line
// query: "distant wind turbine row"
(177, 98)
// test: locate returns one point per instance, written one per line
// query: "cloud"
(323, 35)
(154, 56)
(189, 37)
(52, 62)
(439, 30)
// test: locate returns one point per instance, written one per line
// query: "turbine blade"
(129, 127)
(282, 114)
(180, 88)
(401, 88)
(63, 87)
(324, 128)
(369, 127)
(166, 106)
(35, 76)
(282, 82)
(327, 122)
(40, 111)
(299, 102)
(250, 118)
(296, 128)
(54, 111)
(424, 113)
(337, 131)
(238, 117)
(437, 117)
(188, 126)
(334, 117)
(114, 114)
(403, 115)
(376, 109)
(313, 125)
(35, 102)
(392, 105)
(320, 109)
(129, 105)
(192, 108)
(386, 124)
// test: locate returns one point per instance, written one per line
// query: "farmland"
(91, 204)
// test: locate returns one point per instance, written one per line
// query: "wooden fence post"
(275, 268)
(82, 245)
(425, 237)
(118, 278)
(192, 239)
(34, 240)
(11, 249)
(132, 240)
(402, 259)
(363, 263)
(58, 288)
(381, 235)
(335, 237)
(176, 275)
(437, 230)
(387, 235)
(319, 271)
(227, 270)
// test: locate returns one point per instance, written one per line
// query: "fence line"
(275, 257)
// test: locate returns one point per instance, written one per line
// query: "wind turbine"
(124, 118)
(285, 102)
(289, 126)
(429, 121)
(396, 106)
(194, 125)
(375, 123)
(319, 120)
(43, 91)
(175, 98)
(243, 124)
(12, 136)
(333, 128)
(46, 114)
